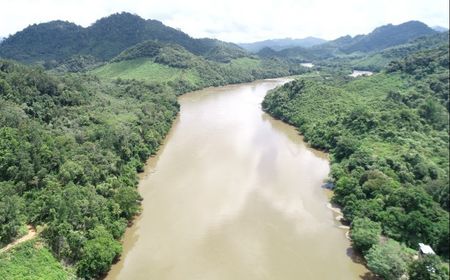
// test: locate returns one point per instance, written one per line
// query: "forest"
(388, 139)
(70, 148)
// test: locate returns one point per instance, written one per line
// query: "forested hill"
(106, 38)
(386, 36)
(379, 60)
(153, 61)
(388, 139)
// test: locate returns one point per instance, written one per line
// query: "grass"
(143, 69)
(377, 61)
(245, 63)
(32, 260)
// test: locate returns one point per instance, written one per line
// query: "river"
(234, 194)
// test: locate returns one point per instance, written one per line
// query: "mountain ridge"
(387, 36)
(104, 39)
(381, 38)
(280, 44)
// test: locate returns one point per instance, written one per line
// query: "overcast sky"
(235, 20)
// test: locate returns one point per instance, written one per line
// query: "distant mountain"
(439, 28)
(384, 37)
(280, 44)
(106, 38)
(379, 60)
(381, 38)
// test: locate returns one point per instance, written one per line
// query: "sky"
(235, 20)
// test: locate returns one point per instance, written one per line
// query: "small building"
(425, 250)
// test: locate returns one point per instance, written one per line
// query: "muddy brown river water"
(234, 194)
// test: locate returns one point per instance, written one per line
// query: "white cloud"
(235, 20)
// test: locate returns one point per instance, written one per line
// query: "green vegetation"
(388, 139)
(388, 260)
(32, 260)
(70, 147)
(428, 267)
(143, 69)
(76, 136)
(98, 253)
(152, 61)
(365, 233)
(71, 144)
(80, 137)
(379, 60)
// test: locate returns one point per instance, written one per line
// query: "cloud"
(235, 20)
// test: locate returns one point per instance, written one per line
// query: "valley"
(136, 150)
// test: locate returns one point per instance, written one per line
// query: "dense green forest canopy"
(70, 147)
(388, 136)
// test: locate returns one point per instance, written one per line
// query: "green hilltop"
(155, 61)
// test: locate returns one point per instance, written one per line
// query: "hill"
(387, 36)
(153, 61)
(280, 44)
(379, 60)
(58, 40)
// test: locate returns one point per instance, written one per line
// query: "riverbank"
(376, 161)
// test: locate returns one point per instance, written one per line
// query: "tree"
(434, 113)
(11, 216)
(428, 267)
(388, 260)
(128, 199)
(98, 253)
(345, 146)
(365, 233)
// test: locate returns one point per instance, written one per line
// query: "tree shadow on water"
(355, 256)
(369, 276)
(359, 259)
